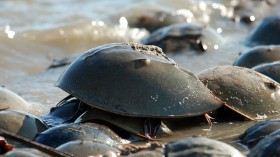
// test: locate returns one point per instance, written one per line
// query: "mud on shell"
(245, 91)
(136, 80)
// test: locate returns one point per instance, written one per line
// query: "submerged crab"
(184, 37)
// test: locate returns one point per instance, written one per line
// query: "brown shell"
(136, 80)
(244, 90)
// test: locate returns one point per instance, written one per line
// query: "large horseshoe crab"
(136, 80)
(245, 91)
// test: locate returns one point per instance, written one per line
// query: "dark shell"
(271, 70)
(246, 91)
(258, 55)
(248, 11)
(65, 112)
(10, 100)
(133, 125)
(258, 131)
(22, 124)
(87, 148)
(136, 80)
(267, 33)
(152, 20)
(25, 152)
(269, 146)
(64, 133)
(183, 37)
(200, 146)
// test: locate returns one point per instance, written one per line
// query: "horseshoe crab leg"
(151, 127)
(208, 119)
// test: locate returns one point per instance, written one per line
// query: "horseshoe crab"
(269, 146)
(10, 100)
(153, 20)
(25, 152)
(22, 124)
(200, 146)
(88, 148)
(267, 33)
(183, 37)
(271, 70)
(259, 131)
(64, 133)
(245, 91)
(133, 125)
(137, 81)
(258, 55)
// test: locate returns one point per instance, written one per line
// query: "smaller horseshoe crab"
(243, 90)
(133, 125)
(259, 131)
(183, 37)
(268, 146)
(66, 111)
(258, 55)
(153, 20)
(87, 148)
(200, 146)
(271, 70)
(22, 124)
(25, 152)
(11, 101)
(64, 133)
(248, 12)
(137, 81)
(267, 33)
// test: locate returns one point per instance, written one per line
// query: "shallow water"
(34, 32)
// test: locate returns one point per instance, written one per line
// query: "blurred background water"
(34, 32)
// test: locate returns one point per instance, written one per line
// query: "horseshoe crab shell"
(22, 124)
(132, 124)
(268, 146)
(12, 101)
(200, 146)
(267, 33)
(185, 36)
(271, 70)
(64, 133)
(136, 80)
(82, 148)
(244, 90)
(259, 131)
(258, 55)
